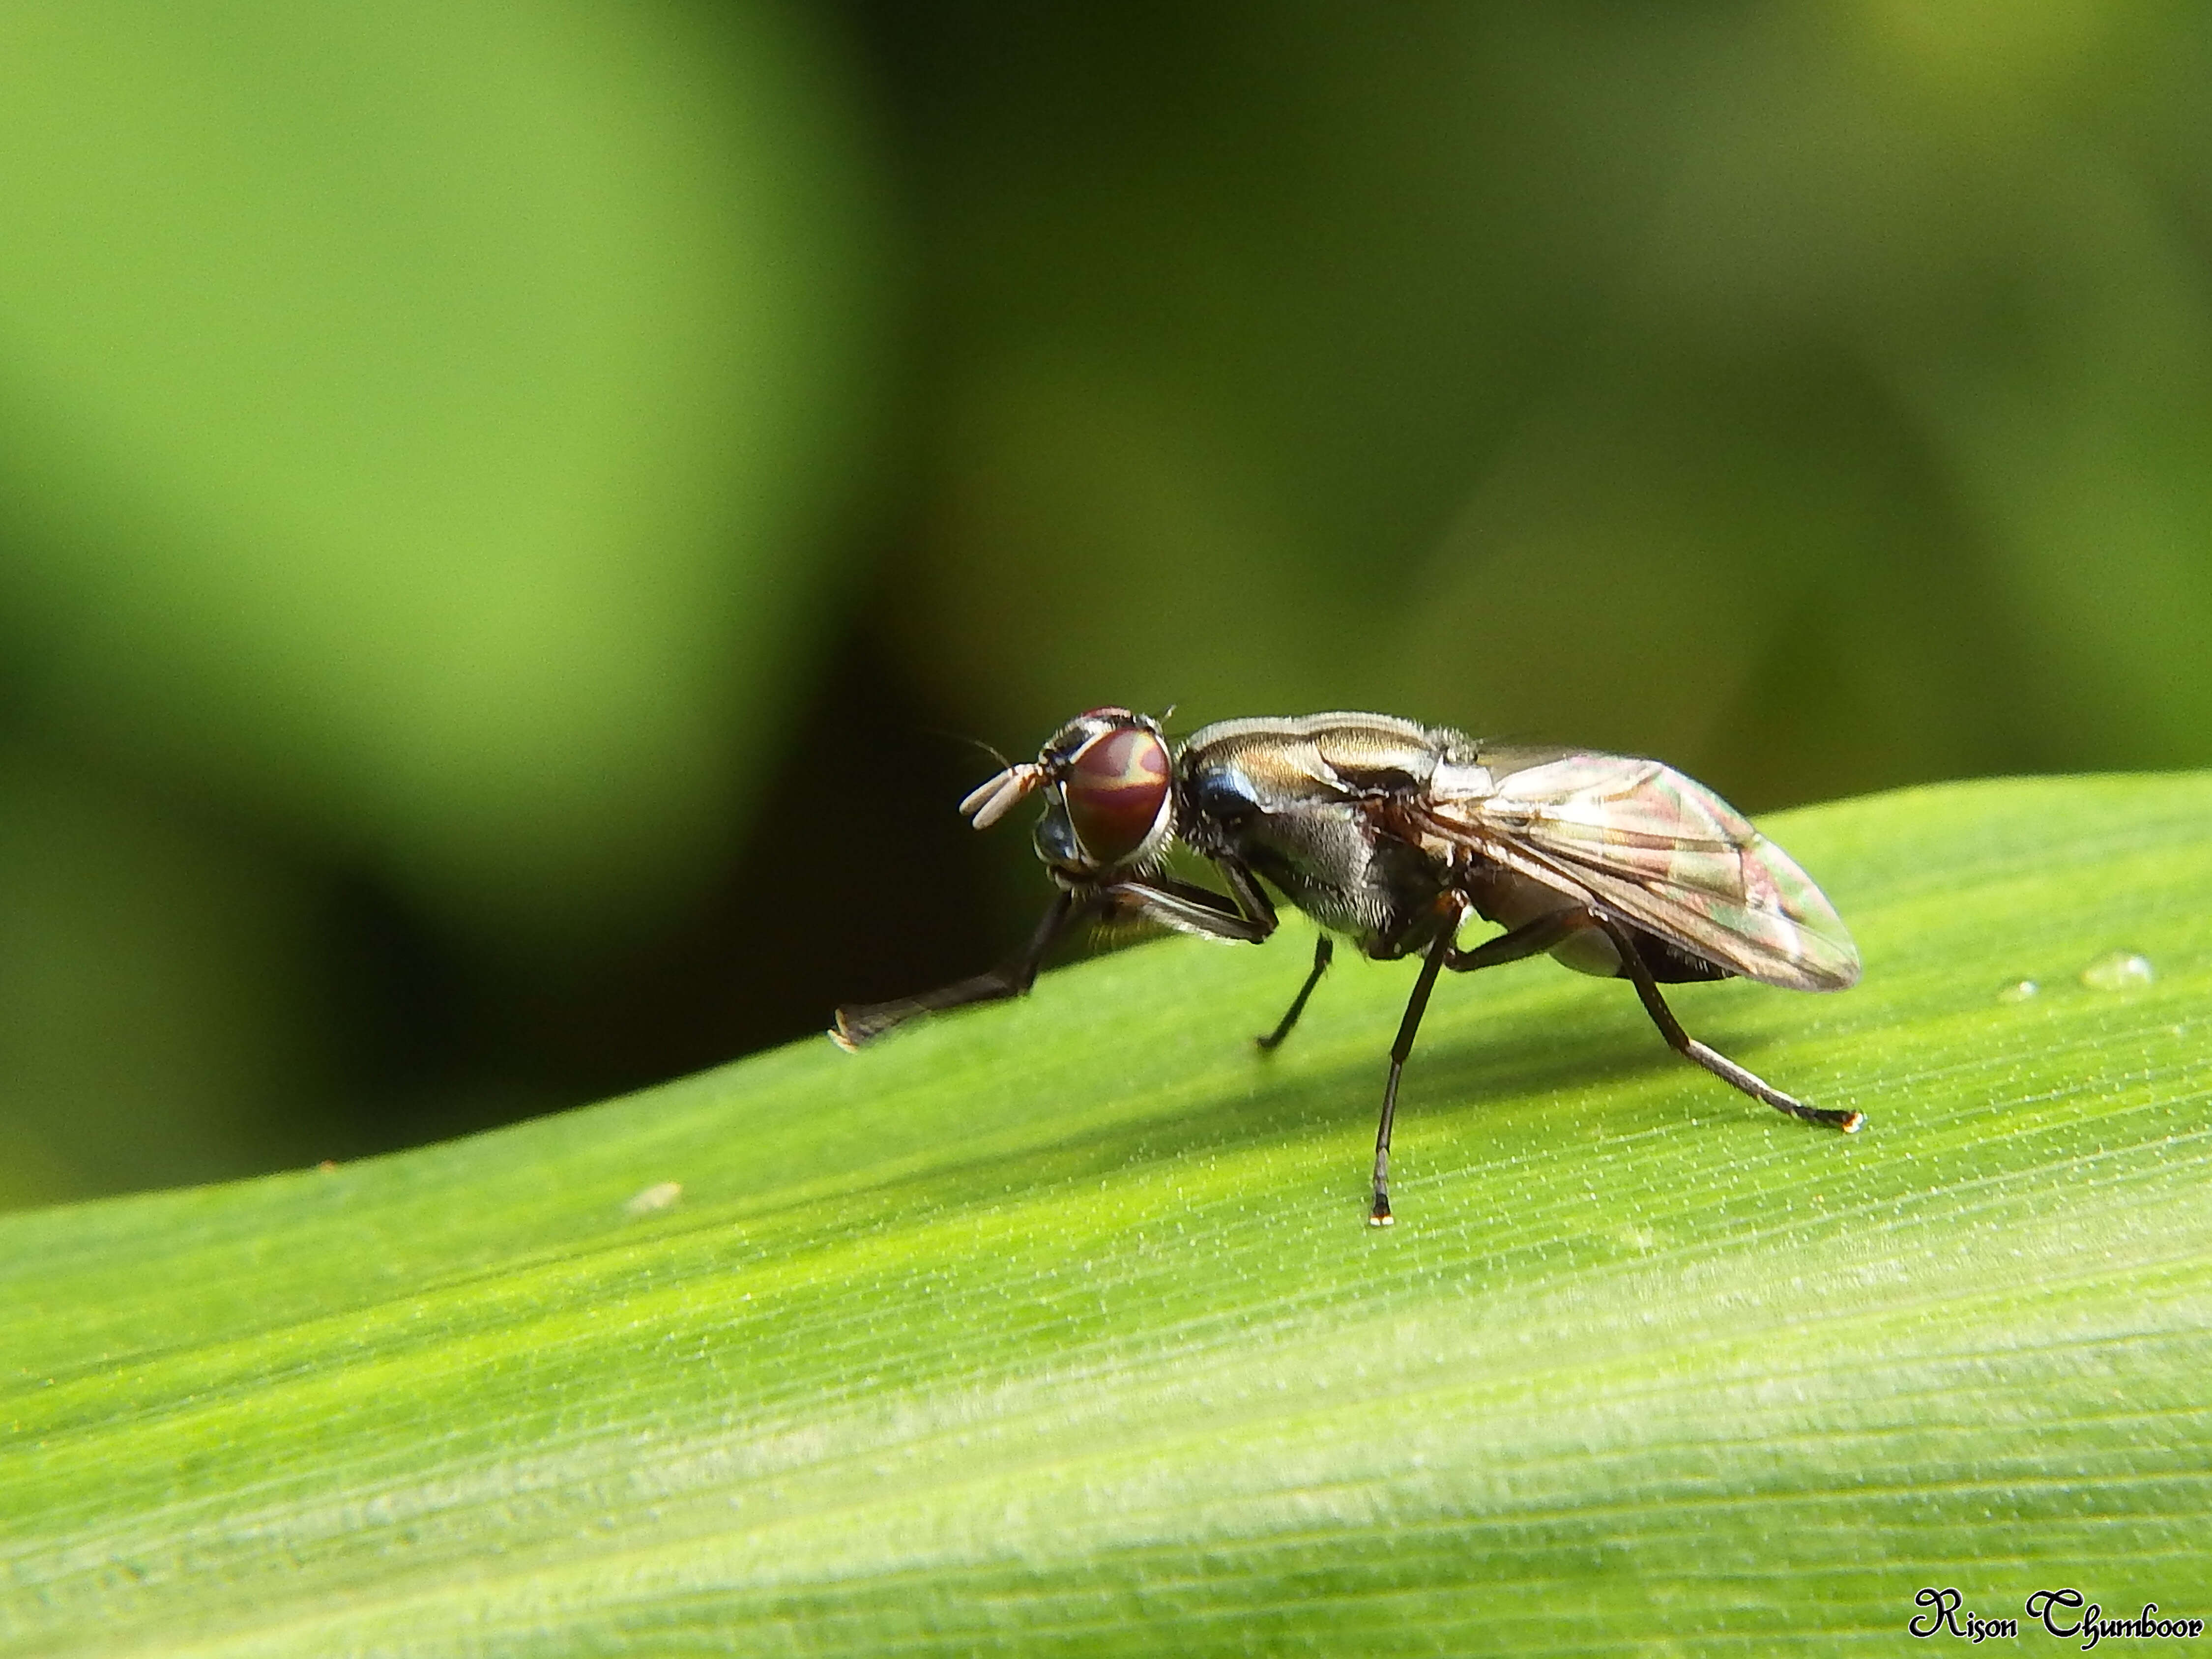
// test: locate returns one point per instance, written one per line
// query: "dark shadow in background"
(857, 880)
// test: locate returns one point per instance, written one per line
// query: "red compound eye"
(1117, 789)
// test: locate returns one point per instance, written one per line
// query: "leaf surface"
(1055, 1326)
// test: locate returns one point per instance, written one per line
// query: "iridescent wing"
(1662, 852)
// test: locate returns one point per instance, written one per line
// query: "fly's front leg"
(1195, 908)
(1189, 908)
(868, 1021)
(1253, 901)
(1632, 965)
(1324, 949)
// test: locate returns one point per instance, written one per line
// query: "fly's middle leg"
(1432, 963)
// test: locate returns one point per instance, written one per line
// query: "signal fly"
(1392, 835)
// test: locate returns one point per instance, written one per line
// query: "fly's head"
(1110, 795)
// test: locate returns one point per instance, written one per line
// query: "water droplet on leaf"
(658, 1196)
(2118, 971)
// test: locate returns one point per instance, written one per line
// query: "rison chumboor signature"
(2055, 1610)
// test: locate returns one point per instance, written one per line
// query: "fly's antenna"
(997, 795)
(966, 742)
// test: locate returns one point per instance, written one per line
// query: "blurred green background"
(509, 513)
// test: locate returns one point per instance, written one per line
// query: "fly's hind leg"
(1634, 965)
(1530, 939)
(1324, 949)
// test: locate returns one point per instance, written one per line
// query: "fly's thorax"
(1345, 756)
(1330, 857)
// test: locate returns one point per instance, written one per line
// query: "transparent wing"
(1669, 854)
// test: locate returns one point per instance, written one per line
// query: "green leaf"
(1058, 1327)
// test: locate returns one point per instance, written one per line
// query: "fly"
(1392, 835)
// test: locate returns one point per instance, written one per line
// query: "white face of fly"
(1111, 778)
